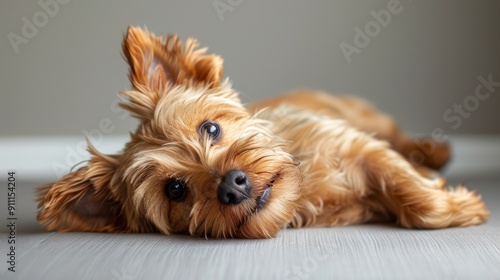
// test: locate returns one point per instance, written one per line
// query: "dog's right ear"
(156, 66)
(83, 200)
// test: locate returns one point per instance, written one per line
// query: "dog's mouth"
(261, 201)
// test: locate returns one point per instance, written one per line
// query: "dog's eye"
(175, 189)
(211, 129)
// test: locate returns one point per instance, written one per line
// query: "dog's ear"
(83, 200)
(157, 65)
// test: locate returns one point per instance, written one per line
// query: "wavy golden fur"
(307, 159)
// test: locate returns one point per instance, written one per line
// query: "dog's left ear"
(83, 200)
(156, 66)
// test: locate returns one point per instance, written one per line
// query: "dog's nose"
(234, 188)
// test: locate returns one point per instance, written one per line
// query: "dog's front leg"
(417, 202)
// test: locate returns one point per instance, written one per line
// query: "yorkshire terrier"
(201, 163)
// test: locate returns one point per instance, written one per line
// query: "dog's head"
(198, 163)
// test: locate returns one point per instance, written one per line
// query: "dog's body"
(201, 163)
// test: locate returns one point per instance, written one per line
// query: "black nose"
(234, 188)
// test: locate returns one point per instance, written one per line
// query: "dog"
(201, 163)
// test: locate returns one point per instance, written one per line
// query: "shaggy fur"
(320, 160)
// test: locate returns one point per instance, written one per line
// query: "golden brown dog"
(203, 164)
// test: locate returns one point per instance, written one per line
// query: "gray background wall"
(64, 79)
